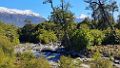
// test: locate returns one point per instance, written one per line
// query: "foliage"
(43, 32)
(118, 22)
(6, 53)
(85, 24)
(27, 60)
(27, 33)
(82, 26)
(106, 51)
(98, 62)
(50, 26)
(7, 47)
(102, 12)
(8, 38)
(111, 38)
(98, 36)
(81, 39)
(77, 63)
(97, 55)
(102, 63)
(10, 32)
(66, 62)
(46, 36)
(62, 16)
(6, 61)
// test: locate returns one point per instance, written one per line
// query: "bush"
(98, 37)
(47, 26)
(81, 39)
(6, 61)
(6, 53)
(51, 26)
(47, 36)
(96, 55)
(98, 62)
(27, 33)
(41, 33)
(66, 62)
(111, 38)
(83, 26)
(10, 32)
(102, 63)
(27, 60)
(5, 44)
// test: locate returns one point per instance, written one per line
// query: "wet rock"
(85, 66)
(117, 61)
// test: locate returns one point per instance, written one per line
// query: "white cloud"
(16, 11)
(82, 16)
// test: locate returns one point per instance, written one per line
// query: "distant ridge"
(18, 17)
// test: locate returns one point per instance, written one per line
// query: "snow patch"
(16, 11)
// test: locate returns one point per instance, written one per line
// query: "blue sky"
(77, 6)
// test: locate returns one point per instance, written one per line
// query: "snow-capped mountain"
(18, 17)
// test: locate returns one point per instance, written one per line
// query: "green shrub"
(5, 44)
(6, 53)
(98, 62)
(27, 60)
(47, 26)
(111, 38)
(66, 62)
(77, 63)
(26, 33)
(6, 61)
(81, 39)
(96, 55)
(10, 32)
(84, 26)
(47, 36)
(54, 27)
(98, 37)
(102, 63)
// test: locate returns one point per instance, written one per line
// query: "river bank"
(53, 52)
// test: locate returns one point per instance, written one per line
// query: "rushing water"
(51, 55)
(55, 55)
(50, 52)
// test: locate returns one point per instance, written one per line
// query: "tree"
(100, 12)
(62, 15)
(112, 7)
(81, 39)
(118, 19)
(118, 22)
(27, 33)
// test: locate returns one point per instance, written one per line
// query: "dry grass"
(107, 50)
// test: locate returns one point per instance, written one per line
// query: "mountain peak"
(17, 11)
(18, 17)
